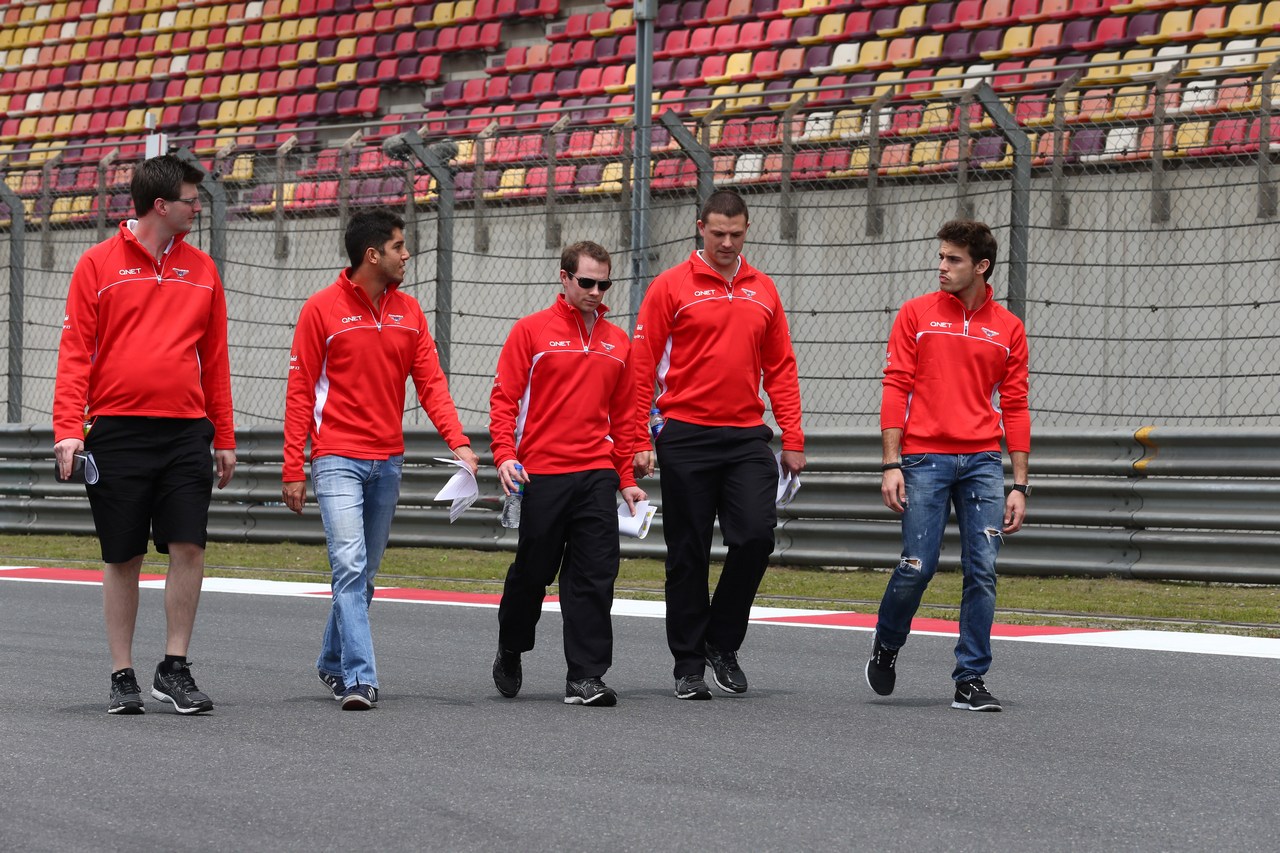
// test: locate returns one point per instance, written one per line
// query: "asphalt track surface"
(1098, 749)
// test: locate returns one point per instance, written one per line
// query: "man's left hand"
(631, 494)
(467, 455)
(1015, 511)
(793, 461)
(226, 466)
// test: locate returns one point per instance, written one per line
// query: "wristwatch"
(1025, 488)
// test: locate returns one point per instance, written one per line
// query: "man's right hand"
(64, 452)
(643, 464)
(509, 476)
(893, 489)
(295, 495)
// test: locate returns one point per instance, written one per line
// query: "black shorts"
(155, 475)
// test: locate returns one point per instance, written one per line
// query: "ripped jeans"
(974, 484)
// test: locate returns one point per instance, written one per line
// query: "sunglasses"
(588, 283)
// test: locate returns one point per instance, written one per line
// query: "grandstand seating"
(78, 78)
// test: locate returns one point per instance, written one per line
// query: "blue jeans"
(357, 499)
(974, 484)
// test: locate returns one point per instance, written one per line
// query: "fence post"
(435, 159)
(217, 211)
(1266, 186)
(478, 186)
(1161, 209)
(344, 184)
(643, 12)
(789, 222)
(875, 211)
(44, 210)
(17, 292)
(552, 226)
(1060, 205)
(277, 213)
(104, 198)
(1020, 202)
(700, 156)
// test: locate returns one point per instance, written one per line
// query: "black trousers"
(710, 471)
(569, 526)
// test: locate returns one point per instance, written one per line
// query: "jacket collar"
(701, 266)
(128, 235)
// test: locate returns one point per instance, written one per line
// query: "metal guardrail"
(1156, 503)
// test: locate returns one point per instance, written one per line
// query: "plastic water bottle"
(511, 506)
(656, 422)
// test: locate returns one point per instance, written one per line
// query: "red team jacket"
(710, 342)
(347, 373)
(945, 368)
(561, 399)
(144, 337)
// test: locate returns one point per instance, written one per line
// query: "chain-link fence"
(1151, 251)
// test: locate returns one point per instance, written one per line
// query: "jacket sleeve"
(623, 429)
(782, 380)
(75, 352)
(305, 359)
(215, 369)
(899, 371)
(1013, 395)
(509, 383)
(653, 326)
(433, 389)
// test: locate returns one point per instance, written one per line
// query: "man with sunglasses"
(144, 385)
(710, 329)
(559, 419)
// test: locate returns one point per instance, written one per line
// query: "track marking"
(1163, 641)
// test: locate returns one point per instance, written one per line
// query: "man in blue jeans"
(951, 354)
(355, 344)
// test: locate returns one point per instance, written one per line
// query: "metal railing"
(1151, 502)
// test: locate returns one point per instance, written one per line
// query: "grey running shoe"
(362, 697)
(725, 672)
(880, 671)
(126, 696)
(692, 687)
(334, 683)
(175, 684)
(972, 695)
(589, 691)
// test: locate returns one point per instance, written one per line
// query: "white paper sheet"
(636, 526)
(787, 484)
(462, 488)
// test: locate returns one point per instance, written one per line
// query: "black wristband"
(889, 466)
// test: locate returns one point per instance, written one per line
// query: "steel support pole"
(17, 293)
(1019, 202)
(645, 11)
(217, 211)
(436, 160)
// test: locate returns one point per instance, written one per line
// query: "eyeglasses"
(588, 283)
(193, 201)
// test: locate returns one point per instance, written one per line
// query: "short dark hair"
(569, 257)
(369, 229)
(974, 236)
(727, 203)
(160, 177)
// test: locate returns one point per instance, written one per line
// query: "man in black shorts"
(143, 389)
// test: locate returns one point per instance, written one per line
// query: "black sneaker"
(972, 695)
(880, 672)
(589, 691)
(692, 687)
(334, 683)
(177, 686)
(362, 697)
(725, 671)
(126, 696)
(507, 675)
